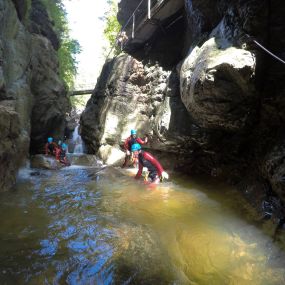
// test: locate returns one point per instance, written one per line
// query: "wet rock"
(31, 94)
(85, 159)
(216, 86)
(120, 104)
(10, 155)
(111, 155)
(45, 162)
(50, 96)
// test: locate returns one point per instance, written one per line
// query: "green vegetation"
(113, 27)
(79, 102)
(68, 47)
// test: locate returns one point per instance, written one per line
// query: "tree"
(69, 48)
(113, 27)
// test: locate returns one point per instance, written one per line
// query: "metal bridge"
(147, 17)
(85, 89)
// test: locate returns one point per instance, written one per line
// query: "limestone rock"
(217, 87)
(111, 155)
(120, 103)
(45, 162)
(32, 97)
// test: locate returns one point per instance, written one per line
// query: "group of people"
(134, 151)
(58, 150)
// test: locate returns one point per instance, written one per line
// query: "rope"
(266, 50)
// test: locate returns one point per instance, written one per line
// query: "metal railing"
(138, 15)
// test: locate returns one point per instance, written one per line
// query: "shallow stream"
(86, 225)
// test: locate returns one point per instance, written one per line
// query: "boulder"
(131, 95)
(217, 86)
(45, 162)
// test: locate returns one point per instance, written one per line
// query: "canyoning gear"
(152, 165)
(64, 146)
(50, 148)
(133, 132)
(57, 152)
(130, 141)
(134, 160)
(128, 145)
(50, 139)
(136, 147)
(164, 175)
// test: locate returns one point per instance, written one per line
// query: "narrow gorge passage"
(89, 225)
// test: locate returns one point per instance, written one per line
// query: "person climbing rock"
(62, 155)
(122, 40)
(50, 147)
(132, 139)
(156, 172)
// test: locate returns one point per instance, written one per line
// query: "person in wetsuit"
(132, 139)
(156, 172)
(50, 147)
(62, 155)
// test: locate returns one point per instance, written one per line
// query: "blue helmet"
(59, 142)
(64, 146)
(50, 139)
(136, 147)
(133, 132)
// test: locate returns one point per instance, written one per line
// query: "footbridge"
(148, 17)
(82, 90)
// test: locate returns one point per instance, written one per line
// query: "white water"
(77, 141)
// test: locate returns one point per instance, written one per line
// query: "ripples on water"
(81, 226)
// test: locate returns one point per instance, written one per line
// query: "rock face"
(132, 95)
(33, 100)
(216, 101)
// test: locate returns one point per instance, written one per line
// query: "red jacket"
(147, 160)
(128, 142)
(50, 148)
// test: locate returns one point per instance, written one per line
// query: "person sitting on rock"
(62, 155)
(132, 139)
(156, 172)
(50, 147)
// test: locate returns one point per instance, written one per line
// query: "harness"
(51, 147)
(131, 142)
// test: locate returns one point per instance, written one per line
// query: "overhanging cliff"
(230, 93)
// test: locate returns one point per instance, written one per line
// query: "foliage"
(79, 102)
(113, 27)
(68, 47)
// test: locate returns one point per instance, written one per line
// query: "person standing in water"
(132, 139)
(156, 172)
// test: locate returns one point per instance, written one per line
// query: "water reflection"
(85, 226)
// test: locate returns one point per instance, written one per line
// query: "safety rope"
(265, 49)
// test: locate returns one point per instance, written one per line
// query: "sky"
(86, 27)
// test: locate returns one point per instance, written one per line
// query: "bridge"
(146, 19)
(85, 89)
(81, 92)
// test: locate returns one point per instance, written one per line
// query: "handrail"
(128, 21)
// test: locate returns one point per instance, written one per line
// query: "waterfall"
(77, 141)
